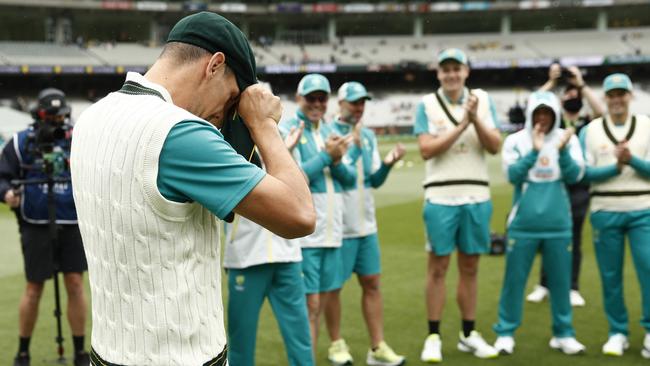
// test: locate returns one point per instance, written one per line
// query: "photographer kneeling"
(33, 156)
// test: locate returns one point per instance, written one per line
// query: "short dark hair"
(182, 53)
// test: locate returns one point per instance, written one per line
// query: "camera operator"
(38, 153)
(573, 116)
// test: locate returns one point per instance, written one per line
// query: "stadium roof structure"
(313, 6)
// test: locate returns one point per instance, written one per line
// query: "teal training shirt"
(372, 176)
(312, 159)
(197, 164)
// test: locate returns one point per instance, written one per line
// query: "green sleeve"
(641, 166)
(197, 164)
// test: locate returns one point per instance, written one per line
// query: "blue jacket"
(18, 161)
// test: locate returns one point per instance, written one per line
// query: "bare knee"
(33, 292)
(74, 285)
(369, 284)
(468, 266)
(313, 306)
(438, 268)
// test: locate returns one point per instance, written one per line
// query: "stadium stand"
(362, 50)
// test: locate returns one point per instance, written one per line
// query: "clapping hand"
(471, 108)
(395, 155)
(538, 137)
(564, 140)
(294, 136)
(623, 153)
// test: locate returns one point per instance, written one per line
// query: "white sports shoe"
(645, 351)
(576, 298)
(339, 354)
(384, 356)
(538, 294)
(616, 345)
(476, 345)
(568, 345)
(432, 351)
(505, 345)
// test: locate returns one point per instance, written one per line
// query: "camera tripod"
(54, 242)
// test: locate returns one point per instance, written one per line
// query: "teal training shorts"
(322, 269)
(361, 256)
(464, 226)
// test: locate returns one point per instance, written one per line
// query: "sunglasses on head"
(316, 98)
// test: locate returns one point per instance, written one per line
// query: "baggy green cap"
(214, 33)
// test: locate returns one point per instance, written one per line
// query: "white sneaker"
(384, 356)
(339, 353)
(432, 351)
(568, 345)
(538, 294)
(576, 298)
(616, 345)
(645, 351)
(476, 345)
(505, 345)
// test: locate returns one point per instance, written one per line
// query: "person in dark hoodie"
(539, 160)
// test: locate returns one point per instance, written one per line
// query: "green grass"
(404, 264)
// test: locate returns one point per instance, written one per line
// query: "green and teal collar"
(137, 84)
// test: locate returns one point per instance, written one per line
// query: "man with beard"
(360, 250)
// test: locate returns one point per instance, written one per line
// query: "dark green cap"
(214, 33)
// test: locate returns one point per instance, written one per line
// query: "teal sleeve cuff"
(327, 159)
(641, 166)
(570, 169)
(344, 173)
(599, 174)
(315, 164)
(518, 171)
(379, 177)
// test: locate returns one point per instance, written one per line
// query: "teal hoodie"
(541, 206)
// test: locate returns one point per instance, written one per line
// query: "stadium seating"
(362, 50)
(38, 53)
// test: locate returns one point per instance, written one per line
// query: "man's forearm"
(489, 138)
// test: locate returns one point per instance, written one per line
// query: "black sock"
(23, 345)
(434, 326)
(468, 327)
(78, 342)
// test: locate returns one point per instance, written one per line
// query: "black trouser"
(579, 195)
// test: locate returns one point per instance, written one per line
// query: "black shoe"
(82, 359)
(22, 359)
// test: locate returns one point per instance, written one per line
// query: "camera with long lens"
(48, 130)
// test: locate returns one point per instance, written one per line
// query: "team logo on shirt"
(239, 282)
(544, 160)
(303, 140)
(462, 148)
